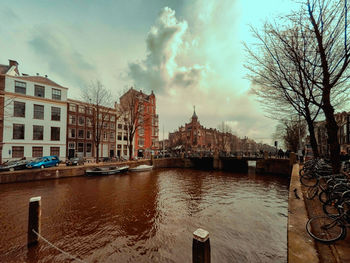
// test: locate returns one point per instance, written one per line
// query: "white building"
(34, 119)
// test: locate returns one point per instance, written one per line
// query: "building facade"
(144, 120)
(81, 130)
(33, 115)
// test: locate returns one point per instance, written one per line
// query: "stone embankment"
(301, 247)
(272, 166)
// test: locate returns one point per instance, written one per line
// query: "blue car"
(43, 162)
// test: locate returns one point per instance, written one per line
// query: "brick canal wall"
(274, 166)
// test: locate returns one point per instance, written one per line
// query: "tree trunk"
(332, 132)
(97, 154)
(313, 140)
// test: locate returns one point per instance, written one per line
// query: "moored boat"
(141, 168)
(109, 170)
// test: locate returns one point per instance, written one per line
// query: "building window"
(55, 114)
(37, 151)
(125, 138)
(38, 132)
(20, 87)
(17, 151)
(81, 109)
(71, 133)
(105, 136)
(55, 151)
(112, 136)
(18, 131)
(56, 94)
(89, 111)
(119, 146)
(19, 109)
(38, 112)
(88, 122)
(39, 91)
(71, 145)
(55, 133)
(120, 126)
(72, 107)
(105, 125)
(88, 147)
(125, 127)
(72, 119)
(112, 118)
(80, 147)
(119, 136)
(81, 120)
(88, 134)
(81, 134)
(141, 142)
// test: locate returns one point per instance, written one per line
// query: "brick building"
(144, 118)
(81, 132)
(193, 136)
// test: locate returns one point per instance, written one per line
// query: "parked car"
(13, 165)
(75, 161)
(43, 162)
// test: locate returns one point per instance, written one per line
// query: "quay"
(301, 247)
(234, 164)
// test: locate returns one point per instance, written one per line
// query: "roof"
(39, 79)
(4, 69)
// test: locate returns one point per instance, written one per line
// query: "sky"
(188, 52)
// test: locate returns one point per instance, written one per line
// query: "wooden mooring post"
(201, 246)
(34, 220)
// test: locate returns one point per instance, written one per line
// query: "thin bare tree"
(132, 108)
(100, 101)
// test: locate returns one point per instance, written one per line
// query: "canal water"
(149, 217)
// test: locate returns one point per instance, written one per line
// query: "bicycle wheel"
(323, 196)
(308, 180)
(331, 206)
(312, 192)
(325, 229)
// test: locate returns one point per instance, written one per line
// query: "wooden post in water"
(201, 246)
(34, 220)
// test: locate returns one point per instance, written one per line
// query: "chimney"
(37, 74)
(15, 64)
(45, 76)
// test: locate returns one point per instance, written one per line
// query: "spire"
(194, 116)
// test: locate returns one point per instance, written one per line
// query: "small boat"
(141, 168)
(123, 168)
(109, 170)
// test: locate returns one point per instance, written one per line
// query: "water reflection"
(149, 216)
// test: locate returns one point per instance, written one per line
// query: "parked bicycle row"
(333, 191)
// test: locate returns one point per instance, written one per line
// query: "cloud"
(160, 71)
(62, 58)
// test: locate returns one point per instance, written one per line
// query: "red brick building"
(80, 132)
(145, 119)
(193, 136)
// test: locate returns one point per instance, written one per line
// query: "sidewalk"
(301, 247)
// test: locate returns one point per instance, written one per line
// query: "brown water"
(149, 217)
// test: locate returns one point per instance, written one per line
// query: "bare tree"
(276, 70)
(131, 106)
(290, 132)
(328, 22)
(100, 102)
(226, 136)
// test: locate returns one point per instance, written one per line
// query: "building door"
(118, 153)
(71, 153)
(111, 153)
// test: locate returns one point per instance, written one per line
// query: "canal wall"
(301, 247)
(271, 166)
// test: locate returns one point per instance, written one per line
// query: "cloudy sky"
(187, 52)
